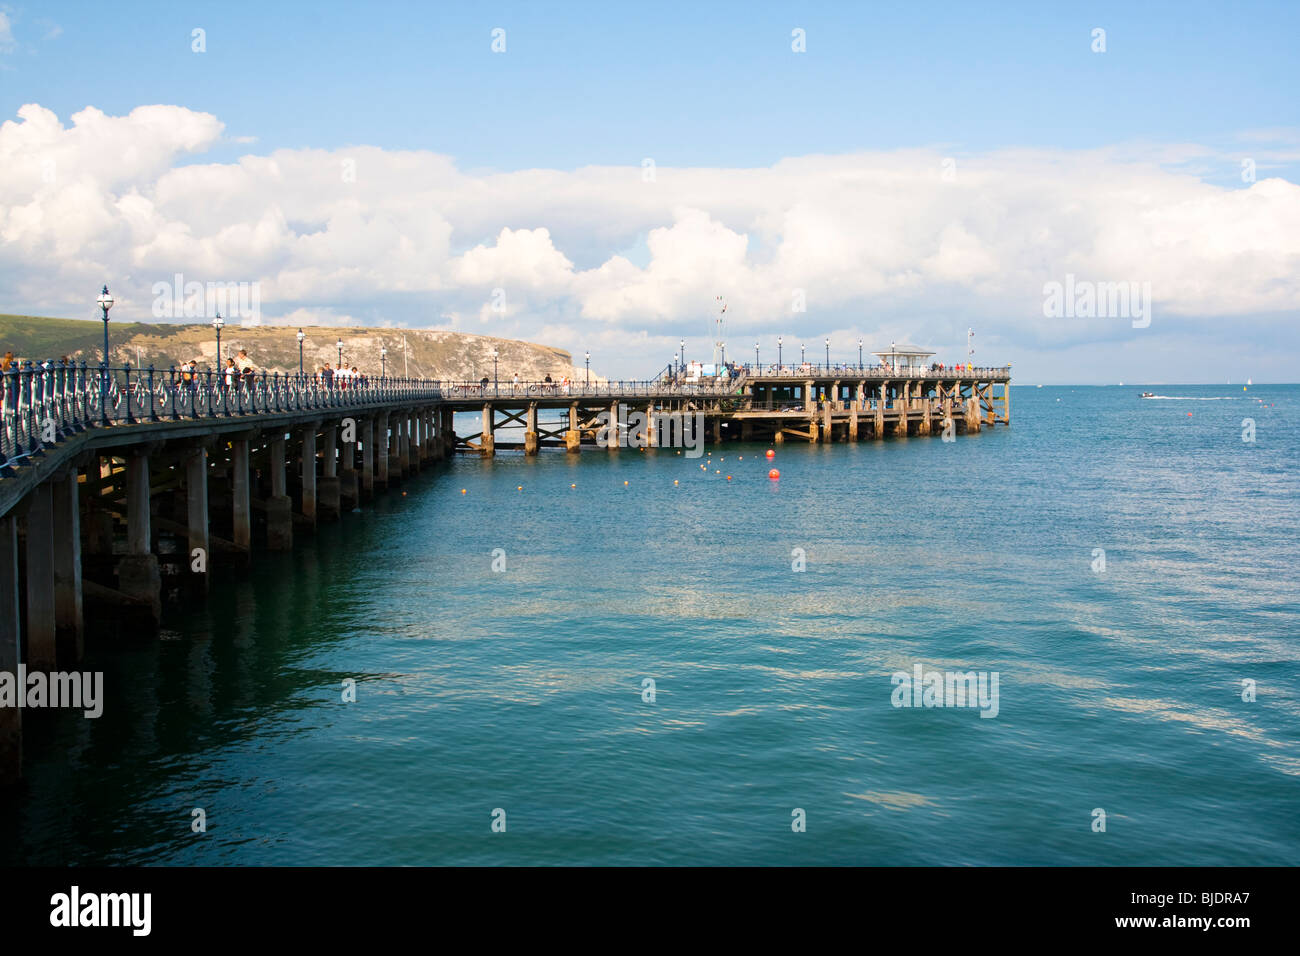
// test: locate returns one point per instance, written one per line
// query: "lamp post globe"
(105, 303)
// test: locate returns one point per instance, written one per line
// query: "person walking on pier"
(327, 375)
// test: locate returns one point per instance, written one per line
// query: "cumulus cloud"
(886, 244)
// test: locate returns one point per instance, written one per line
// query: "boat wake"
(1194, 398)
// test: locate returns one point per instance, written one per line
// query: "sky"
(595, 176)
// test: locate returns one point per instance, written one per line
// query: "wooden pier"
(812, 404)
(121, 489)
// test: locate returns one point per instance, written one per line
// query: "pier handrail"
(43, 404)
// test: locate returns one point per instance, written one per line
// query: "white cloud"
(6, 34)
(880, 242)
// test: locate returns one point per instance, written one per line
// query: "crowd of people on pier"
(234, 371)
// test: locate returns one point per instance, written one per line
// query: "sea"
(1071, 641)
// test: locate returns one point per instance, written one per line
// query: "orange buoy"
(728, 477)
(774, 474)
(770, 453)
(625, 483)
(674, 482)
(520, 488)
(573, 486)
(462, 491)
(403, 494)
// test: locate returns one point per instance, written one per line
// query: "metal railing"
(640, 388)
(814, 370)
(40, 405)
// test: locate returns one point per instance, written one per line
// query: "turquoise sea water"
(521, 689)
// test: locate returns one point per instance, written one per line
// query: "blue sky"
(607, 83)
(1182, 94)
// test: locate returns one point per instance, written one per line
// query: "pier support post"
(415, 447)
(382, 451)
(308, 474)
(827, 421)
(368, 460)
(137, 570)
(615, 433)
(487, 437)
(404, 443)
(328, 492)
(11, 725)
(448, 431)
(853, 411)
(973, 411)
(279, 507)
(240, 502)
(42, 629)
(924, 427)
(878, 431)
(348, 471)
(196, 514)
(69, 617)
(573, 437)
(901, 403)
(530, 430)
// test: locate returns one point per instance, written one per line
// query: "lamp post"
(803, 355)
(828, 354)
(302, 336)
(105, 302)
(383, 362)
(588, 368)
(893, 359)
(755, 358)
(218, 323)
(495, 384)
(340, 346)
(683, 348)
(859, 355)
(778, 353)
(969, 350)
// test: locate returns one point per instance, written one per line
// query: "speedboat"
(1148, 395)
